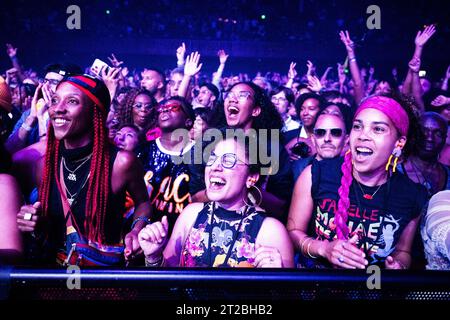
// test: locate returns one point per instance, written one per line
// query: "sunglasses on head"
(335, 132)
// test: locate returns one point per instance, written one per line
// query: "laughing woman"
(84, 179)
(359, 211)
(229, 231)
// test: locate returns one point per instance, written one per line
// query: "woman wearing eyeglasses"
(228, 231)
(140, 110)
(357, 211)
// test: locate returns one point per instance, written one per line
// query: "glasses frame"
(210, 162)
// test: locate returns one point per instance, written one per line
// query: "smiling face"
(329, 137)
(308, 111)
(240, 107)
(71, 114)
(141, 110)
(228, 186)
(372, 139)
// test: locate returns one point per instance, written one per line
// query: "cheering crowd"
(99, 167)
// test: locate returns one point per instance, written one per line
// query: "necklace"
(424, 181)
(72, 197)
(366, 195)
(72, 173)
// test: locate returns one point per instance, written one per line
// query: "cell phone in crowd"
(97, 66)
(422, 73)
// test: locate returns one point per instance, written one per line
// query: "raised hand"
(223, 57)
(311, 68)
(314, 84)
(347, 41)
(111, 80)
(181, 51)
(10, 50)
(447, 74)
(440, 101)
(114, 61)
(153, 238)
(292, 73)
(192, 66)
(424, 36)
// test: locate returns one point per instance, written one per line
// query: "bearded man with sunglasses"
(329, 138)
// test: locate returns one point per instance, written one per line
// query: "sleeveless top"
(378, 223)
(56, 224)
(208, 244)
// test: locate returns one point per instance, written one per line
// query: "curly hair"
(125, 111)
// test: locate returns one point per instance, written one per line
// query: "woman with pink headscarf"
(358, 211)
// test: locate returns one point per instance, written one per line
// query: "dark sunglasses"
(335, 132)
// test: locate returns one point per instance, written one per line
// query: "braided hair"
(98, 185)
(341, 215)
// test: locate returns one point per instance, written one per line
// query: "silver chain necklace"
(71, 197)
(72, 173)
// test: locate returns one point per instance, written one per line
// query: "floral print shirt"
(229, 229)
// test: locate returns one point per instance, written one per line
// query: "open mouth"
(363, 152)
(216, 183)
(59, 122)
(233, 111)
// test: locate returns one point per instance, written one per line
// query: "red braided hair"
(98, 186)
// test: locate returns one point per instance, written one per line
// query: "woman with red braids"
(357, 211)
(84, 179)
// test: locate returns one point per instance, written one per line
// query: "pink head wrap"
(391, 108)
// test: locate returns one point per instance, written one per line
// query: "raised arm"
(12, 53)
(191, 68)
(181, 51)
(354, 68)
(223, 57)
(292, 73)
(412, 79)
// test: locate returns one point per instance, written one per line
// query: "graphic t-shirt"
(208, 244)
(166, 179)
(378, 223)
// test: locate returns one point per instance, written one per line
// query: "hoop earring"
(252, 199)
(396, 153)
